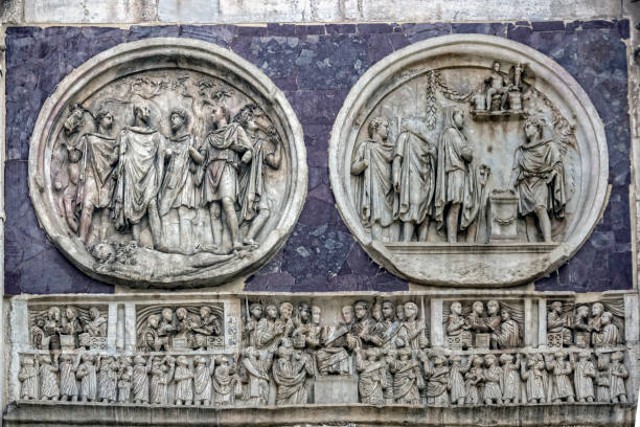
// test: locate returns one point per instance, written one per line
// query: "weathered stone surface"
(187, 11)
(89, 11)
(37, 59)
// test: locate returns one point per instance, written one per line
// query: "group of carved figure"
(181, 329)
(508, 378)
(415, 181)
(479, 329)
(583, 327)
(141, 173)
(52, 331)
(139, 379)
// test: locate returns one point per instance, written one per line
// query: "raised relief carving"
(171, 173)
(451, 170)
(294, 349)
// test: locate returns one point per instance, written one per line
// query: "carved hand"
(246, 157)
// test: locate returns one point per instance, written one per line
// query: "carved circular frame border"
(551, 73)
(113, 64)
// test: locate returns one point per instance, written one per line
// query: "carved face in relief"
(492, 307)
(256, 311)
(142, 113)
(411, 311)
(305, 312)
(477, 307)
(286, 310)
(272, 312)
(347, 314)
(316, 314)
(456, 308)
(504, 314)
(556, 306)
(361, 310)
(597, 309)
(177, 121)
(388, 310)
(400, 312)
(54, 314)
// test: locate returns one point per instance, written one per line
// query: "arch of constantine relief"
(354, 219)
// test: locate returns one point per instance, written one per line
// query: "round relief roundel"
(167, 163)
(469, 161)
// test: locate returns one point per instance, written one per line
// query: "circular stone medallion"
(469, 160)
(167, 163)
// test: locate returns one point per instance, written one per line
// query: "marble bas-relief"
(276, 349)
(167, 163)
(461, 169)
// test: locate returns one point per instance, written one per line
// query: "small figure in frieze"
(387, 330)
(285, 324)
(72, 326)
(457, 327)
(459, 367)
(413, 333)
(492, 393)
(254, 373)
(28, 376)
(561, 370)
(149, 339)
(68, 384)
(140, 383)
(162, 370)
(333, 358)
(291, 371)
(49, 386)
(371, 163)
(619, 374)
(269, 330)
(183, 378)
(125, 377)
(474, 382)
(581, 326)
(557, 322)
(301, 335)
(509, 335)
(534, 373)
(53, 328)
(439, 380)
(497, 87)
(256, 311)
(407, 376)
(584, 374)
(86, 373)
(510, 379)
(107, 368)
(363, 329)
(202, 385)
(39, 339)
(608, 335)
(224, 381)
(96, 326)
(372, 380)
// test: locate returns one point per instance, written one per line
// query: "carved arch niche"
(167, 163)
(469, 161)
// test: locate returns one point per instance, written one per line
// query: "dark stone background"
(316, 66)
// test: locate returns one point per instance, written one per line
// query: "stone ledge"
(59, 413)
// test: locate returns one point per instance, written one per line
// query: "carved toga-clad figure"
(372, 163)
(290, 372)
(538, 174)
(414, 177)
(140, 173)
(456, 202)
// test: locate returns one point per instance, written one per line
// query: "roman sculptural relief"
(463, 169)
(157, 168)
(276, 349)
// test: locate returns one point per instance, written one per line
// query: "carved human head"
(583, 311)
(556, 306)
(272, 312)
(167, 314)
(181, 313)
(597, 309)
(178, 119)
(584, 355)
(347, 313)
(205, 311)
(28, 360)
(372, 354)
(199, 360)
(533, 126)
(53, 313)
(304, 311)
(256, 310)
(361, 309)
(617, 356)
(400, 312)
(606, 317)
(64, 357)
(456, 307)
(478, 307)
(388, 310)
(182, 361)
(39, 322)
(493, 307)
(138, 360)
(316, 315)
(504, 313)
(404, 353)
(560, 355)
(478, 361)
(457, 117)
(104, 119)
(153, 321)
(411, 310)
(71, 312)
(379, 126)
(376, 311)
(496, 65)
(506, 358)
(286, 310)
(141, 112)
(94, 313)
(246, 117)
(490, 360)
(220, 113)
